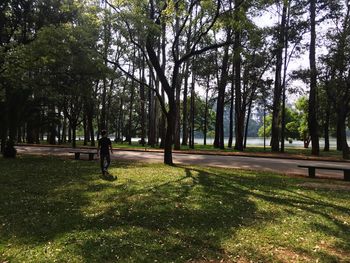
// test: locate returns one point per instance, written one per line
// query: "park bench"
(312, 170)
(78, 152)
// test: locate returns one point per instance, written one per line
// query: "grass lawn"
(59, 210)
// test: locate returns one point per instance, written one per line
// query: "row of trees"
(164, 70)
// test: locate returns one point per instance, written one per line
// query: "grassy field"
(60, 210)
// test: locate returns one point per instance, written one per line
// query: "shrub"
(9, 151)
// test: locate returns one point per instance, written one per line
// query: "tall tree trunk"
(177, 135)
(131, 103)
(162, 126)
(69, 133)
(192, 111)
(184, 107)
(131, 109)
(312, 121)
(326, 129)
(276, 108)
(85, 128)
(239, 111)
(142, 106)
(52, 125)
(151, 114)
(103, 106)
(59, 127)
(73, 127)
(205, 128)
(64, 130)
(247, 123)
(30, 131)
(220, 107)
(232, 119)
(168, 143)
(90, 126)
(177, 84)
(284, 84)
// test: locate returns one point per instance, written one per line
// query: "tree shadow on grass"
(181, 220)
(41, 197)
(187, 217)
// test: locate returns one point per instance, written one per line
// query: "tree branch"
(159, 96)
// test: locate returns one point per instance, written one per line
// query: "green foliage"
(302, 106)
(296, 121)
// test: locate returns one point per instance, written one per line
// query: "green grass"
(59, 210)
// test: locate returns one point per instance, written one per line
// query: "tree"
(275, 135)
(338, 85)
(312, 121)
(150, 14)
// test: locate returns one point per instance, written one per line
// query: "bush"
(9, 151)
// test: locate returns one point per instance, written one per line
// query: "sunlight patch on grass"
(55, 209)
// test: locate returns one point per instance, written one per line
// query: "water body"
(258, 141)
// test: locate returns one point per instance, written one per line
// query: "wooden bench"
(312, 170)
(77, 154)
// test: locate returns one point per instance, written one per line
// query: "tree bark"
(276, 108)
(184, 107)
(247, 123)
(312, 121)
(326, 129)
(192, 111)
(284, 84)
(142, 102)
(205, 128)
(220, 107)
(232, 120)
(239, 105)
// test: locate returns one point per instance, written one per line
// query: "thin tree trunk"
(162, 126)
(131, 109)
(142, 106)
(90, 126)
(178, 81)
(247, 123)
(285, 64)
(151, 114)
(192, 111)
(232, 119)
(205, 129)
(184, 107)
(326, 129)
(220, 107)
(85, 128)
(239, 111)
(73, 127)
(312, 121)
(64, 130)
(276, 108)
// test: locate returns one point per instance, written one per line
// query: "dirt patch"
(286, 256)
(327, 186)
(340, 254)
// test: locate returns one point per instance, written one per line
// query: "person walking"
(104, 149)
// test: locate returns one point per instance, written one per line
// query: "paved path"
(284, 166)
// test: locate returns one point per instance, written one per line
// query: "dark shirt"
(104, 144)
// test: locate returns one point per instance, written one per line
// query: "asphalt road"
(283, 166)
